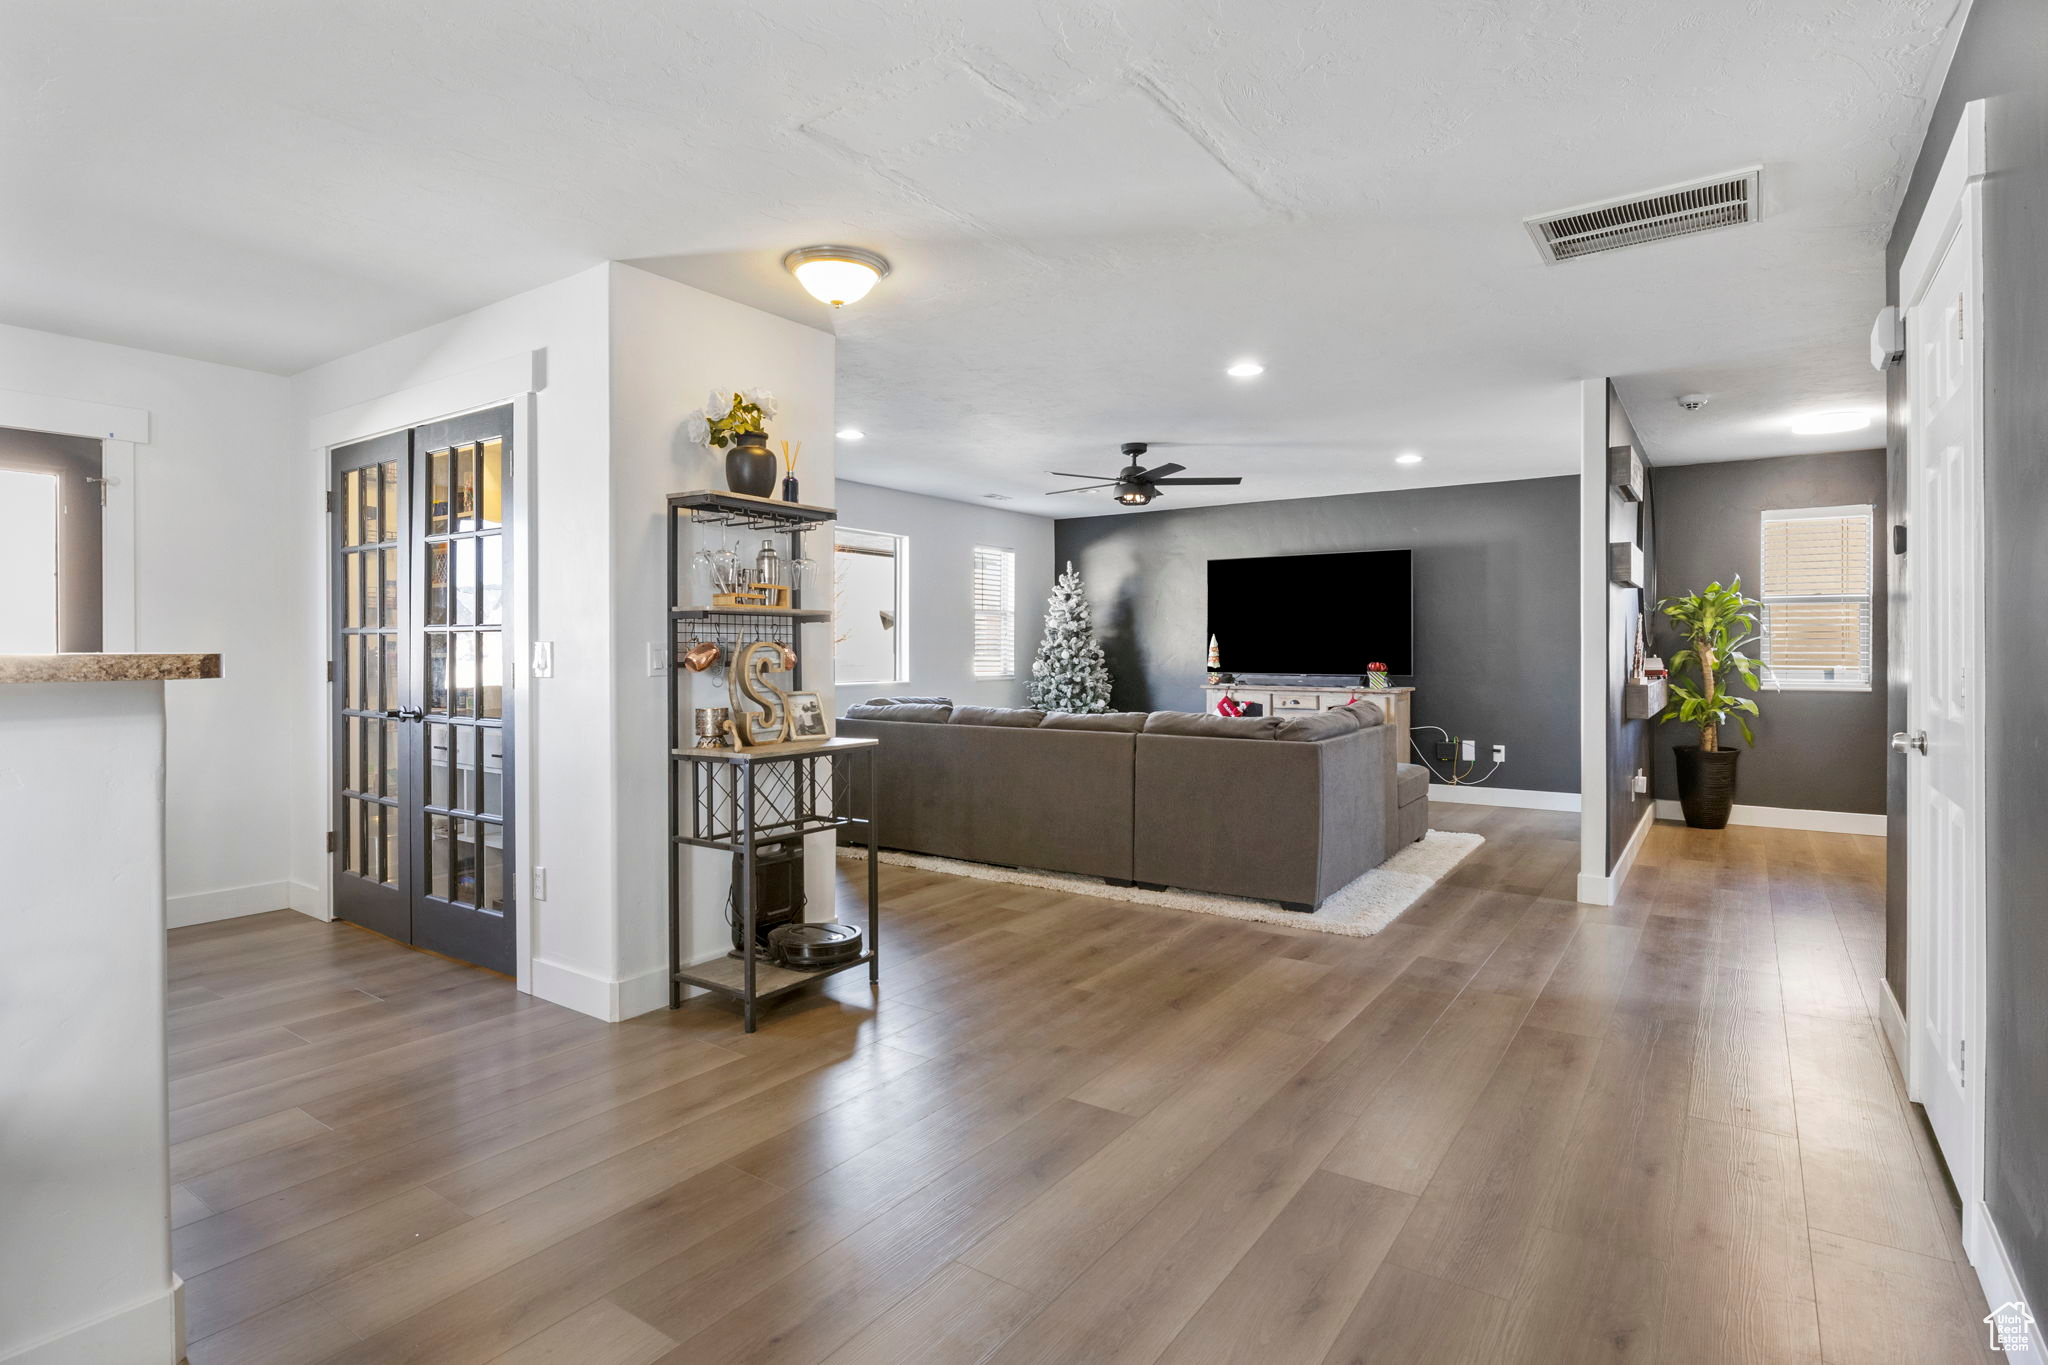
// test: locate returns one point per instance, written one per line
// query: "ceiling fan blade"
(1185, 482)
(1062, 474)
(1080, 488)
(1153, 474)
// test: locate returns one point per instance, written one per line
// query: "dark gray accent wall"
(1814, 750)
(2003, 58)
(1628, 741)
(1496, 610)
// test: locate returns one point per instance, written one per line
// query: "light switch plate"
(657, 659)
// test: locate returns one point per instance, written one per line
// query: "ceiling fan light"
(837, 275)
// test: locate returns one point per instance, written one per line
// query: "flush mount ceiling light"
(1407, 457)
(851, 434)
(1245, 369)
(837, 275)
(1827, 423)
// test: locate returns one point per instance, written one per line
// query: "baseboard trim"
(1786, 817)
(1527, 799)
(149, 1333)
(1894, 1021)
(308, 899)
(232, 902)
(1995, 1271)
(598, 996)
(1597, 890)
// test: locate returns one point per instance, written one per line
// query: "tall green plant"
(1716, 626)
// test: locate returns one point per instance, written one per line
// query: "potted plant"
(1714, 627)
(735, 420)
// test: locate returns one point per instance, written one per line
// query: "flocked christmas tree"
(1069, 673)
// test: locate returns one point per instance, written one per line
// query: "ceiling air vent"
(1674, 211)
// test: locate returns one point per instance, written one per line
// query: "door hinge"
(1959, 319)
(330, 670)
(330, 500)
(1962, 1061)
(330, 841)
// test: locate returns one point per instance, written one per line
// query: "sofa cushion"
(1411, 782)
(909, 701)
(1319, 725)
(1211, 727)
(1117, 722)
(1367, 713)
(1023, 718)
(927, 714)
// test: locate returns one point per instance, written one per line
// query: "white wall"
(671, 345)
(940, 620)
(565, 485)
(219, 517)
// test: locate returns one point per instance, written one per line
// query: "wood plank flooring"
(1507, 1128)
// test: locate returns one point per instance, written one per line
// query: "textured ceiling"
(1092, 209)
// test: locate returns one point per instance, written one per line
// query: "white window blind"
(994, 591)
(1816, 597)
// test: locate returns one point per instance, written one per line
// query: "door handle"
(406, 713)
(1903, 741)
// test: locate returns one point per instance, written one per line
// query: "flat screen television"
(1317, 614)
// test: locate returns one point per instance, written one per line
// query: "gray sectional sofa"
(1283, 808)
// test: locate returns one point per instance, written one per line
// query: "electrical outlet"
(1468, 751)
(540, 883)
(1500, 753)
(657, 659)
(543, 658)
(1641, 783)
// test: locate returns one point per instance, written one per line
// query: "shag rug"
(1359, 910)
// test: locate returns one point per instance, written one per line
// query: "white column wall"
(671, 344)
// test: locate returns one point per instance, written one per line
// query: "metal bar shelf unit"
(735, 801)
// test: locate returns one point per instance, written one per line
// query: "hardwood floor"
(1507, 1128)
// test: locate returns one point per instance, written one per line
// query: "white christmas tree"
(1069, 673)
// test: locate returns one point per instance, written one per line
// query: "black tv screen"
(1314, 613)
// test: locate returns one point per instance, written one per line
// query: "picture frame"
(808, 718)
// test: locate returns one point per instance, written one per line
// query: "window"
(868, 605)
(1817, 579)
(995, 613)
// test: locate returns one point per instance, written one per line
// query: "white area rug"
(1361, 909)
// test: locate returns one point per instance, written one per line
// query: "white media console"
(1276, 699)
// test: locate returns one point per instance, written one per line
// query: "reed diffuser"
(791, 451)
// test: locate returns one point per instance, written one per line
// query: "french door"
(423, 847)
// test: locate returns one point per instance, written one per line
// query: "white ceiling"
(1092, 209)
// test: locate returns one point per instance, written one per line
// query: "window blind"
(1816, 597)
(994, 592)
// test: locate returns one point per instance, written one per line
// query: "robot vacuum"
(808, 947)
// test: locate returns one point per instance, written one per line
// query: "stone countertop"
(100, 668)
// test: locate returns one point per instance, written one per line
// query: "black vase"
(749, 468)
(1706, 785)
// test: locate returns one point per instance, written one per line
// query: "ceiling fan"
(1135, 485)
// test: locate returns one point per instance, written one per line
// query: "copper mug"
(700, 656)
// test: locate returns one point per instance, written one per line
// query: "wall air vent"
(1675, 211)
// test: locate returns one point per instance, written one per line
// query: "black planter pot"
(1706, 785)
(749, 468)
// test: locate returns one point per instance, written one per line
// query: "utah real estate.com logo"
(2011, 1327)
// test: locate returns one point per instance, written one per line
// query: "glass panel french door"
(423, 763)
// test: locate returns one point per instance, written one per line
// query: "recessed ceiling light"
(1826, 423)
(1245, 369)
(835, 274)
(1407, 457)
(852, 434)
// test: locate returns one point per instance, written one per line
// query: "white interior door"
(1943, 741)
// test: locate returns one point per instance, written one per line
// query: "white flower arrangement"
(730, 414)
